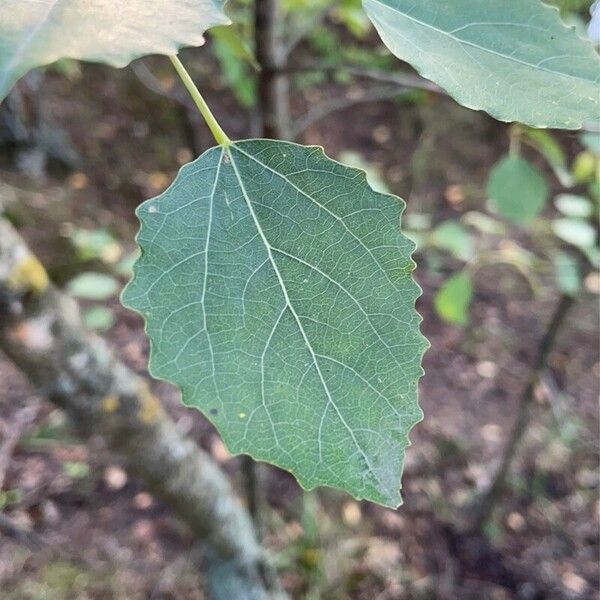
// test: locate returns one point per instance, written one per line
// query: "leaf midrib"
(482, 48)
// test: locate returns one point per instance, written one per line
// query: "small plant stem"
(487, 501)
(220, 136)
(515, 141)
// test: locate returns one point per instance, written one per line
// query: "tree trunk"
(41, 331)
(273, 83)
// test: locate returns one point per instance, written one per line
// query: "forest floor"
(109, 144)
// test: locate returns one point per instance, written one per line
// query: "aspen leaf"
(514, 59)
(34, 33)
(278, 294)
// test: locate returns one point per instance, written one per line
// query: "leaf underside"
(513, 59)
(34, 33)
(278, 294)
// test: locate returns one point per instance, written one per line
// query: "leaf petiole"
(220, 136)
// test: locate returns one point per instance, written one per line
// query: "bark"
(273, 83)
(484, 506)
(41, 332)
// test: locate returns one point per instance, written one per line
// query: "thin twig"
(189, 116)
(325, 109)
(150, 81)
(401, 79)
(484, 505)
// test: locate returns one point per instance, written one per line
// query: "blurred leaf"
(517, 190)
(453, 300)
(515, 60)
(591, 140)
(231, 37)
(236, 71)
(545, 143)
(567, 274)
(93, 286)
(34, 33)
(578, 232)
(76, 470)
(420, 221)
(124, 267)
(455, 238)
(585, 167)
(484, 223)
(593, 255)
(353, 17)
(99, 318)
(96, 244)
(10, 497)
(571, 205)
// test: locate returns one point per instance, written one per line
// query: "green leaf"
(233, 38)
(585, 167)
(99, 318)
(567, 273)
(484, 223)
(577, 232)
(76, 469)
(96, 244)
(591, 140)
(453, 300)
(93, 286)
(572, 205)
(455, 238)
(545, 143)
(517, 190)
(516, 60)
(236, 61)
(34, 33)
(278, 294)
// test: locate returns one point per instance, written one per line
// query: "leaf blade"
(517, 62)
(453, 300)
(517, 190)
(314, 354)
(32, 33)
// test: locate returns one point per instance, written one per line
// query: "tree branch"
(405, 80)
(41, 331)
(482, 510)
(323, 110)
